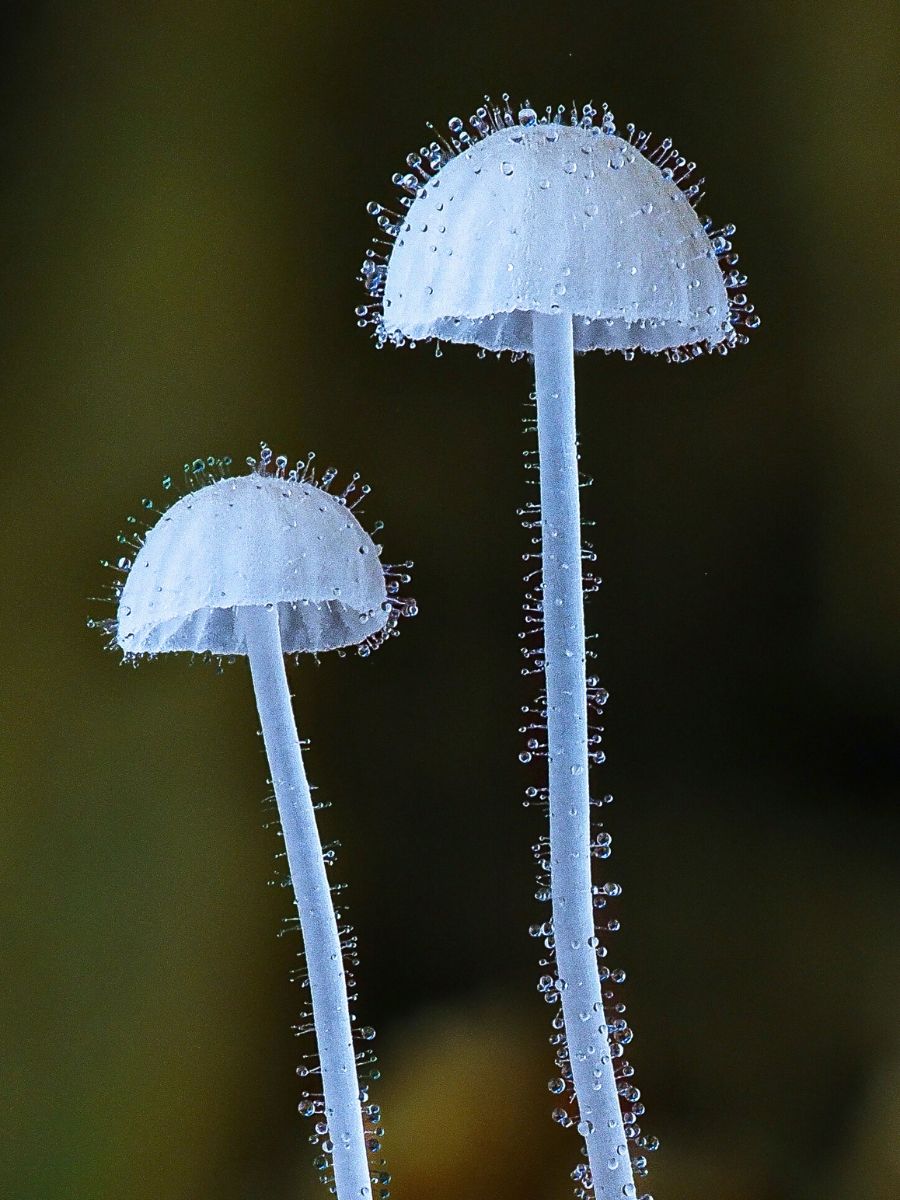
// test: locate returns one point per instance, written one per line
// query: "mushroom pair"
(263, 565)
(549, 237)
(544, 237)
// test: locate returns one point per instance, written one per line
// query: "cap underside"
(513, 331)
(306, 628)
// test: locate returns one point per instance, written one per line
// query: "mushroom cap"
(245, 542)
(552, 218)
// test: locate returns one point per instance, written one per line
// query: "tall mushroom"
(264, 565)
(549, 237)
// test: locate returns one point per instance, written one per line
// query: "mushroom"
(549, 237)
(263, 565)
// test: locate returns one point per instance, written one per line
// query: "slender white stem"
(321, 941)
(567, 736)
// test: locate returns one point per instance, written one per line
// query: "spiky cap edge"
(200, 473)
(490, 118)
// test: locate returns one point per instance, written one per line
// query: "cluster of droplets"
(312, 1099)
(638, 1145)
(396, 575)
(195, 474)
(491, 118)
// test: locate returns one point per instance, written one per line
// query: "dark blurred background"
(183, 191)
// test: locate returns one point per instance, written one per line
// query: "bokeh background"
(182, 197)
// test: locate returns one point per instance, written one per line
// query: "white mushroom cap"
(553, 218)
(245, 542)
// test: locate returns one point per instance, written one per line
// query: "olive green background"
(183, 191)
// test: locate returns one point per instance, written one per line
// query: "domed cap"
(553, 218)
(250, 541)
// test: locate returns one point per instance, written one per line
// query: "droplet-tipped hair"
(512, 213)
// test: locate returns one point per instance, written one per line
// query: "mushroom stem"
(324, 959)
(600, 1115)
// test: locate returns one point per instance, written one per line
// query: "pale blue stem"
(567, 737)
(321, 941)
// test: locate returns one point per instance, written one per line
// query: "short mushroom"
(263, 565)
(550, 236)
